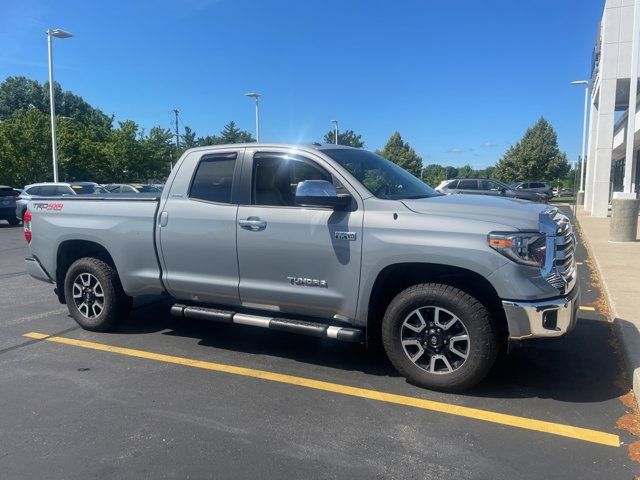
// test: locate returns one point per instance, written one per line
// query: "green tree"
(209, 140)
(188, 139)
(25, 148)
(399, 152)
(122, 153)
(466, 171)
(158, 151)
(81, 148)
(232, 134)
(535, 157)
(450, 172)
(20, 93)
(347, 137)
(433, 174)
(488, 172)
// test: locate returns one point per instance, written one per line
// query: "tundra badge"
(351, 236)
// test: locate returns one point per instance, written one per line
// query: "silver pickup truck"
(322, 240)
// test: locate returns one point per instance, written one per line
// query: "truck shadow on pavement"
(581, 368)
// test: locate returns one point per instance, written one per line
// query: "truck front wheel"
(439, 337)
(94, 295)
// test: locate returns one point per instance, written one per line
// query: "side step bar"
(274, 323)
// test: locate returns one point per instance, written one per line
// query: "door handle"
(164, 219)
(253, 223)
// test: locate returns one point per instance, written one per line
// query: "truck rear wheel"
(94, 295)
(439, 337)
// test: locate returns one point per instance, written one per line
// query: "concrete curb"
(626, 332)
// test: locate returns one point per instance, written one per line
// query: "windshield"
(88, 189)
(382, 178)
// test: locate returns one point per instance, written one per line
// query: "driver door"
(296, 259)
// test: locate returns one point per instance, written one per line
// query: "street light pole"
(335, 124)
(584, 128)
(52, 102)
(257, 97)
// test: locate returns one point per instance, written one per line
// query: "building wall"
(608, 91)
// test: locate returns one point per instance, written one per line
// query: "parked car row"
(487, 186)
(13, 203)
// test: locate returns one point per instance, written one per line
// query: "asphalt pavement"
(177, 398)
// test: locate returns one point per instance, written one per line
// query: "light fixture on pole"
(584, 128)
(56, 32)
(257, 97)
(335, 129)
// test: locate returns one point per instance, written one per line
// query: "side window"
(489, 185)
(276, 177)
(452, 184)
(467, 185)
(213, 178)
(33, 191)
(48, 190)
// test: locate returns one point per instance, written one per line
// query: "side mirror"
(320, 193)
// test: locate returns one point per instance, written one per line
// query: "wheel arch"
(71, 250)
(393, 279)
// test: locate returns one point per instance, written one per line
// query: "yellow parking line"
(577, 433)
(588, 309)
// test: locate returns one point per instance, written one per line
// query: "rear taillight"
(17, 198)
(26, 223)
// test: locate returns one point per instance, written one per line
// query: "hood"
(519, 214)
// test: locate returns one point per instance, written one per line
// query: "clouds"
(456, 150)
(489, 144)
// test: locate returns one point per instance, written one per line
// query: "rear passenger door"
(197, 228)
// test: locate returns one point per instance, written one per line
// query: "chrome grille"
(562, 274)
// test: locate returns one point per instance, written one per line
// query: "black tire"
(482, 349)
(13, 221)
(116, 305)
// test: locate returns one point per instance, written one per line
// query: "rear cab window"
(213, 178)
(7, 192)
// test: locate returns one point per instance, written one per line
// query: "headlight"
(525, 248)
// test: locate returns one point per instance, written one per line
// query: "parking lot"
(179, 398)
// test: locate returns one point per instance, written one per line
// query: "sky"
(460, 80)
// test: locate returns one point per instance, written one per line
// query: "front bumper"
(544, 318)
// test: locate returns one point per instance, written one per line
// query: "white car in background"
(54, 189)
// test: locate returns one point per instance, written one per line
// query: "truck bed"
(123, 225)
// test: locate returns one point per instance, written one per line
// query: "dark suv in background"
(487, 186)
(8, 205)
(537, 187)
